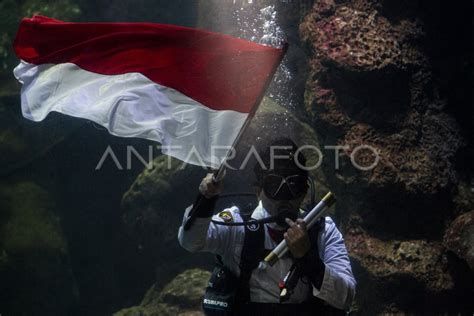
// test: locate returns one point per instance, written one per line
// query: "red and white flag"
(189, 89)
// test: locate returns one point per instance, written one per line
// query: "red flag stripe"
(219, 71)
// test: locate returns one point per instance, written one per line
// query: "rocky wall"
(33, 252)
(372, 83)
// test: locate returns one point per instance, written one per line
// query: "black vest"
(253, 251)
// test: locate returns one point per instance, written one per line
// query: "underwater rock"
(149, 204)
(359, 39)
(371, 86)
(419, 258)
(464, 198)
(182, 296)
(395, 276)
(459, 238)
(34, 262)
(153, 209)
(186, 290)
(373, 92)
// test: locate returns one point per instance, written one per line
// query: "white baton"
(310, 219)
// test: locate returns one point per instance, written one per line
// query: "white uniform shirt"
(337, 289)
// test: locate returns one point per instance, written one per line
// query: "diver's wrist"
(205, 207)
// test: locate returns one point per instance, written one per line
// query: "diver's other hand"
(209, 187)
(297, 238)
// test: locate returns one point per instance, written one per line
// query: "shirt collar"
(260, 212)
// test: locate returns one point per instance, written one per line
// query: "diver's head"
(281, 178)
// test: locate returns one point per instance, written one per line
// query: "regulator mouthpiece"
(284, 211)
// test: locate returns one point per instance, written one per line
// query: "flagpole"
(219, 173)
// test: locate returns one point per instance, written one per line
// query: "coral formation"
(459, 238)
(360, 37)
(371, 86)
(182, 296)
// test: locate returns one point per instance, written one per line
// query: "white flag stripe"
(130, 105)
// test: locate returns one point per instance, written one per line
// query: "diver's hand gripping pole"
(216, 178)
(310, 219)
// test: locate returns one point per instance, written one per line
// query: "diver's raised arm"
(200, 236)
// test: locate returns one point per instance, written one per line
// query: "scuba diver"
(313, 278)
